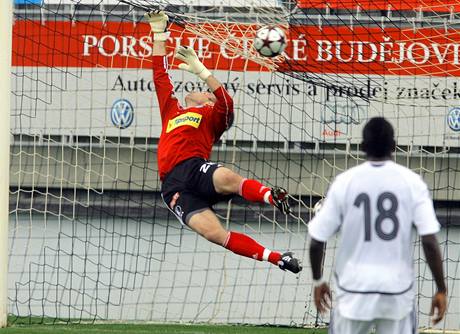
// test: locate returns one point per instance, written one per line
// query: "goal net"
(90, 237)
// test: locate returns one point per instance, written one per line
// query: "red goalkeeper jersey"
(187, 132)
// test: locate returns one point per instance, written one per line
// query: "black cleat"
(280, 200)
(288, 262)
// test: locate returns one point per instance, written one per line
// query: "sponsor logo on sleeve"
(190, 118)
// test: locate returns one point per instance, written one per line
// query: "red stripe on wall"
(361, 50)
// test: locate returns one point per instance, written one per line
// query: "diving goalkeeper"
(191, 184)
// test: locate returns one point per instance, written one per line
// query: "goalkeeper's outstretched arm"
(158, 21)
(223, 106)
(159, 48)
(192, 64)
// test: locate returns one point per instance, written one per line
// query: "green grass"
(155, 329)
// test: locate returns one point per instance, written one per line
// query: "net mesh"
(233, 32)
(90, 238)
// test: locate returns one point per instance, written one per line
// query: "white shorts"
(341, 325)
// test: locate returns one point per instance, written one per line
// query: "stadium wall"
(70, 164)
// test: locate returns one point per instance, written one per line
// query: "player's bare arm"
(322, 292)
(158, 21)
(159, 49)
(433, 258)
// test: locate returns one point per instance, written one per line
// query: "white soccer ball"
(270, 41)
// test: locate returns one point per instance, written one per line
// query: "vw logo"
(122, 113)
(453, 119)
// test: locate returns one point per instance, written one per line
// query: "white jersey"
(375, 205)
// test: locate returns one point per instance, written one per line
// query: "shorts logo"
(205, 167)
(192, 119)
(178, 210)
(453, 119)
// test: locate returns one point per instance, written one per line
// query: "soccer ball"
(270, 41)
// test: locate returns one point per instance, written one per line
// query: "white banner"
(269, 107)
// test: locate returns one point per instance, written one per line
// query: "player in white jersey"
(375, 207)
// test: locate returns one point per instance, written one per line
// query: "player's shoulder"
(389, 166)
(413, 181)
(342, 179)
(408, 175)
(347, 175)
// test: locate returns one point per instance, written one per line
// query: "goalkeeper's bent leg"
(244, 245)
(227, 182)
(254, 191)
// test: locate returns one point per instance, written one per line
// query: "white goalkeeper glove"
(191, 63)
(158, 21)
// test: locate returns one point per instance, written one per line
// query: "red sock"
(254, 191)
(243, 245)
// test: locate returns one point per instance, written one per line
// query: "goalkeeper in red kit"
(191, 184)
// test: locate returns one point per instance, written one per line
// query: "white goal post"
(6, 15)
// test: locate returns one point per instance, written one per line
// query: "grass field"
(155, 329)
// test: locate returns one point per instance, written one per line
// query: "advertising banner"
(95, 79)
(358, 50)
(424, 5)
(28, 2)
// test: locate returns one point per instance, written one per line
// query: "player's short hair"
(378, 138)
